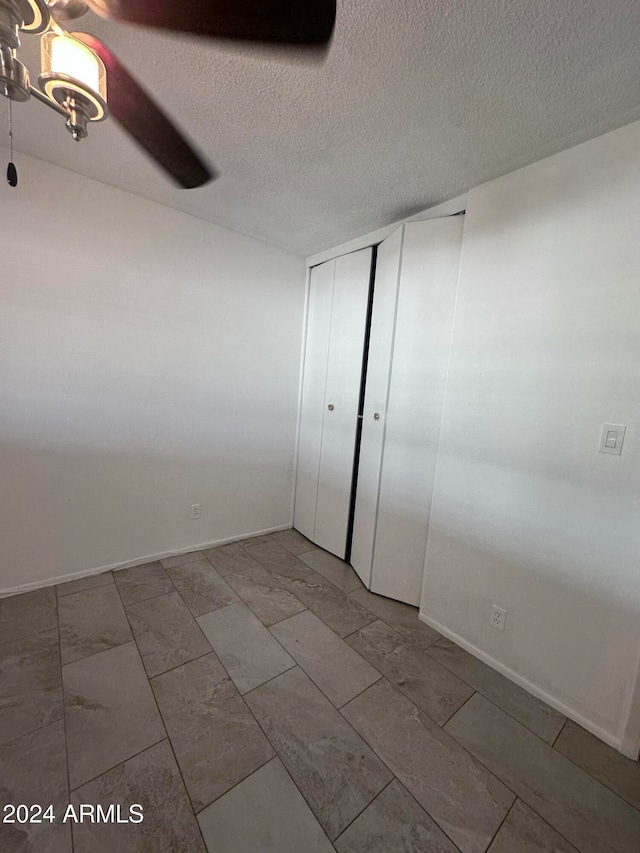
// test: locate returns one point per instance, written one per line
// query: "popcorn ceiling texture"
(416, 102)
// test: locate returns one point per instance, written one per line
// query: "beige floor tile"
(91, 621)
(532, 712)
(433, 688)
(166, 633)
(182, 559)
(229, 559)
(215, 738)
(524, 832)
(466, 801)
(263, 814)
(264, 595)
(275, 558)
(334, 769)
(152, 780)
(336, 609)
(331, 568)
(33, 771)
(202, 587)
(27, 613)
(30, 684)
(582, 810)
(81, 584)
(110, 712)
(293, 541)
(329, 662)
(141, 582)
(247, 650)
(402, 617)
(610, 767)
(394, 822)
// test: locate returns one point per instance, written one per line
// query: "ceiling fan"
(80, 75)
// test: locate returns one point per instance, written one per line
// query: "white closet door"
(375, 402)
(424, 321)
(344, 374)
(313, 391)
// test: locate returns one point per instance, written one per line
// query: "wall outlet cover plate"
(498, 617)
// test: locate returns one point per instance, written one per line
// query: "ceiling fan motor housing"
(16, 15)
(10, 23)
(30, 16)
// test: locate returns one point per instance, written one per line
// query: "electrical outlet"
(195, 512)
(498, 618)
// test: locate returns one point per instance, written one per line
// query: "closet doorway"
(373, 393)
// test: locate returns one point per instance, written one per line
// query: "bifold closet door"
(422, 340)
(408, 422)
(313, 390)
(329, 417)
(383, 319)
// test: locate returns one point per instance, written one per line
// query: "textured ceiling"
(416, 102)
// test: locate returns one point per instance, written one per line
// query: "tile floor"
(256, 698)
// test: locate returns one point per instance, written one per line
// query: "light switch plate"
(612, 439)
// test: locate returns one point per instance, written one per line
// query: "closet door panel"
(424, 321)
(376, 391)
(344, 373)
(313, 393)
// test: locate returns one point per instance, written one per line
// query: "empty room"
(320, 426)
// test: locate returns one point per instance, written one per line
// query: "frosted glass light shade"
(68, 64)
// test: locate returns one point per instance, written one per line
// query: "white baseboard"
(529, 686)
(138, 561)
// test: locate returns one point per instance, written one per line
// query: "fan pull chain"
(12, 173)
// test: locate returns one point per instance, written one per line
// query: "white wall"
(526, 512)
(148, 360)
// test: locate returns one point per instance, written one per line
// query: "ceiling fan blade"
(142, 118)
(293, 22)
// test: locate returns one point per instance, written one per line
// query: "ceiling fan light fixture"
(29, 16)
(75, 77)
(36, 16)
